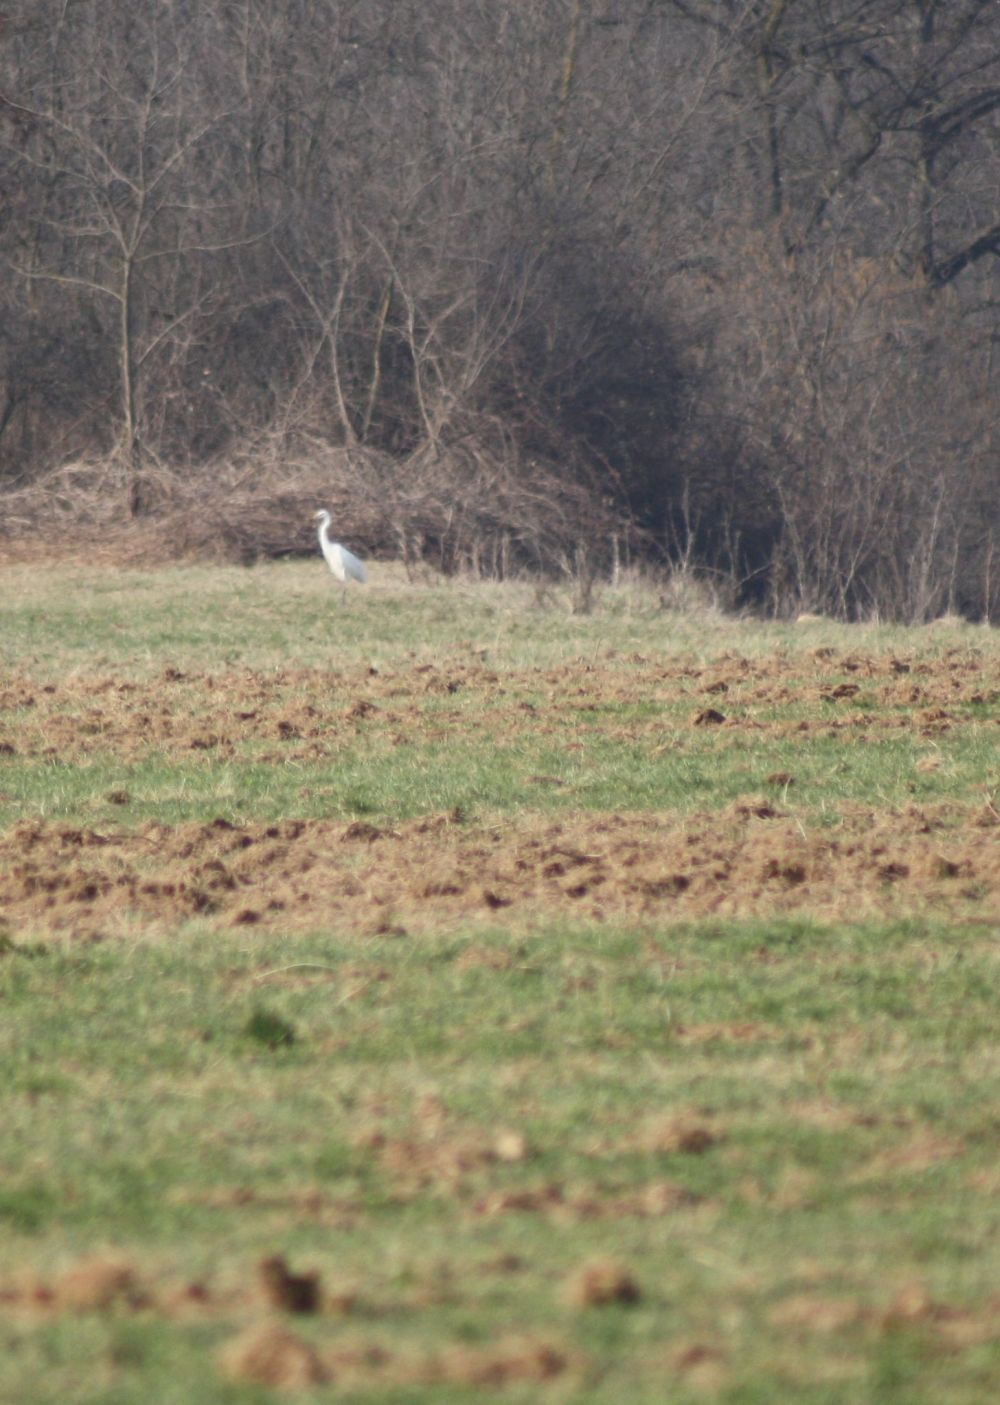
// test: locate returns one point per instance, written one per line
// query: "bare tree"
(715, 277)
(122, 225)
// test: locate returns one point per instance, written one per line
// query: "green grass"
(451, 1125)
(180, 1073)
(59, 620)
(370, 777)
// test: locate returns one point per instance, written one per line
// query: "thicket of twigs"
(548, 287)
(258, 502)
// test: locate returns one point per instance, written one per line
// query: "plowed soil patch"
(749, 860)
(306, 714)
(752, 859)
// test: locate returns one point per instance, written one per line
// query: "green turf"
(59, 620)
(188, 1091)
(449, 1126)
(371, 777)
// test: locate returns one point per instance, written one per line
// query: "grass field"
(439, 996)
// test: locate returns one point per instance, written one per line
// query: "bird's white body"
(343, 563)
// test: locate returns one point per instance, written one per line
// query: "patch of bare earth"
(305, 714)
(600, 1283)
(950, 1327)
(267, 1350)
(270, 1354)
(300, 874)
(755, 859)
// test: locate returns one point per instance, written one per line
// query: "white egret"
(343, 563)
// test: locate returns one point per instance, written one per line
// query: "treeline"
(553, 284)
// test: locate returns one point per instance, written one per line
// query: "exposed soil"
(266, 1350)
(758, 857)
(600, 1283)
(306, 714)
(359, 877)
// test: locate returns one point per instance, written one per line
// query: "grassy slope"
(59, 629)
(135, 622)
(786, 1132)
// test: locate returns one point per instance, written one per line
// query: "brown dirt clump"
(111, 1286)
(301, 714)
(683, 1135)
(290, 1292)
(271, 1355)
(509, 1362)
(436, 1161)
(99, 1285)
(703, 1367)
(911, 1308)
(749, 861)
(752, 859)
(601, 1283)
(581, 1203)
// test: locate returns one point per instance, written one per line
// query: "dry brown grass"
(460, 509)
(242, 510)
